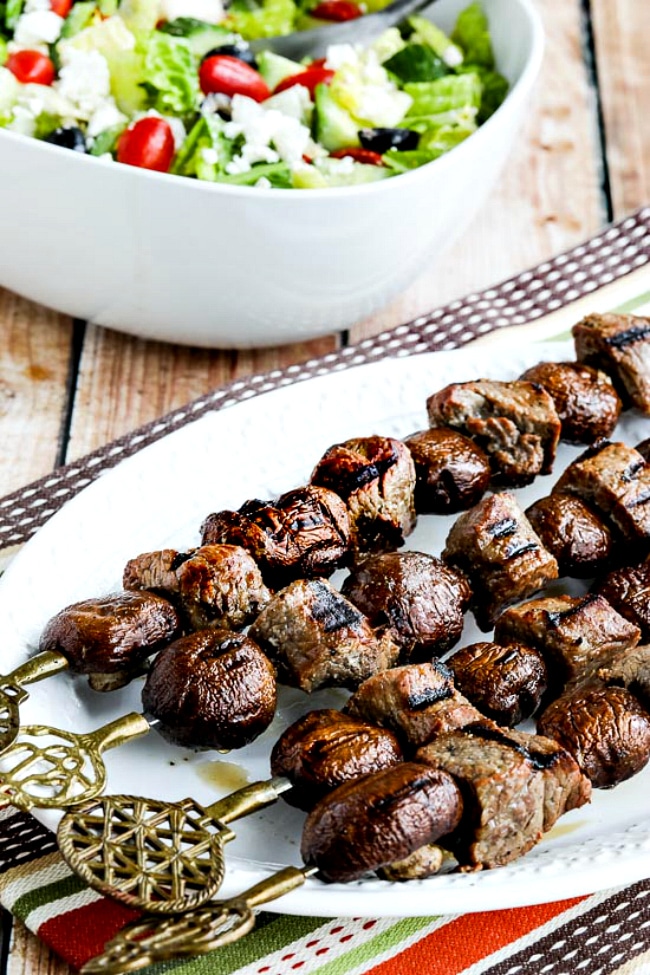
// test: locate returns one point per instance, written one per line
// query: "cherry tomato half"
(61, 7)
(360, 155)
(149, 144)
(231, 76)
(336, 10)
(31, 67)
(309, 78)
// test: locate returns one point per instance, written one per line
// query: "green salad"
(172, 86)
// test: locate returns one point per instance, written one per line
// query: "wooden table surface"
(583, 159)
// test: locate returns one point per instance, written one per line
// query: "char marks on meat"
(514, 786)
(418, 598)
(495, 546)
(211, 689)
(605, 729)
(417, 702)
(505, 683)
(628, 591)
(452, 472)
(319, 639)
(614, 479)
(575, 634)
(585, 399)
(305, 533)
(155, 571)
(578, 539)
(620, 345)
(379, 819)
(323, 749)
(112, 634)
(516, 423)
(376, 478)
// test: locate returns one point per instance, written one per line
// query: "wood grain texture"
(547, 198)
(29, 956)
(34, 362)
(621, 32)
(124, 382)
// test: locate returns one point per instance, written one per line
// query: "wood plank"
(35, 344)
(548, 197)
(621, 33)
(29, 956)
(124, 382)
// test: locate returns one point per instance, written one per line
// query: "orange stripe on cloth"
(81, 934)
(470, 938)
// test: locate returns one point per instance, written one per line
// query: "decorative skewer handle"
(248, 800)
(194, 933)
(37, 668)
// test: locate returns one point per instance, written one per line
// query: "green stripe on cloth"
(368, 951)
(629, 306)
(276, 933)
(24, 906)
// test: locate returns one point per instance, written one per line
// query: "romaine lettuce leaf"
(278, 174)
(271, 18)
(424, 32)
(416, 62)
(441, 138)
(451, 94)
(403, 160)
(472, 34)
(3, 51)
(80, 17)
(170, 74)
(13, 10)
(206, 151)
(106, 142)
(201, 36)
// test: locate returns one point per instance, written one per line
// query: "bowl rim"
(518, 91)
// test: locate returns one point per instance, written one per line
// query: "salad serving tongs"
(315, 42)
(152, 939)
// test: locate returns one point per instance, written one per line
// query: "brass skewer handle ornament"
(13, 693)
(197, 932)
(51, 769)
(161, 857)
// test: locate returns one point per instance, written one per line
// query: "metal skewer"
(195, 933)
(162, 857)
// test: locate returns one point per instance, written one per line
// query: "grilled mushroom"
(452, 472)
(585, 399)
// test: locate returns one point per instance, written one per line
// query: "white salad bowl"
(169, 258)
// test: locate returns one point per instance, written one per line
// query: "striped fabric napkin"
(608, 932)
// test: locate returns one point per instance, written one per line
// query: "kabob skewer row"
(519, 439)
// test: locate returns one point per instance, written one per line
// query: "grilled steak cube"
(566, 787)
(615, 480)
(319, 639)
(631, 670)
(575, 635)
(627, 589)
(215, 585)
(585, 399)
(505, 683)
(304, 533)
(452, 472)
(574, 534)
(378, 819)
(417, 702)
(155, 571)
(323, 749)
(516, 423)
(620, 345)
(514, 786)
(503, 796)
(495, 546)
(605, 729)
(111, 634)
(417, 597)
(376, 478)
(211, 689)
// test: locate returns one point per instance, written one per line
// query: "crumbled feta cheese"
(453, 56)
(211, 11)
(340, 54)
(33, 5)
(238, 165)
(107, 116)
(216, 101)
(209, 156)
(37, 27)
(344, 166)
(263, 183)
(23, 121)
(85, 80)
(269, 135)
